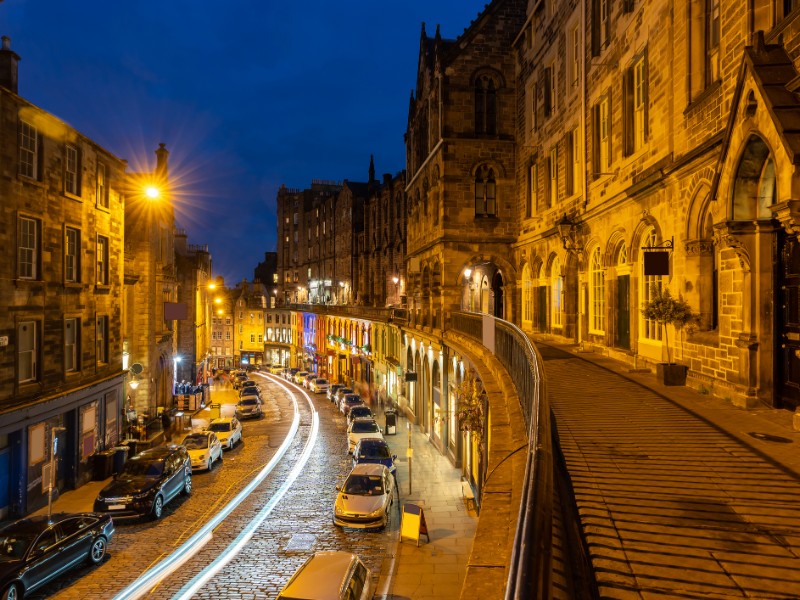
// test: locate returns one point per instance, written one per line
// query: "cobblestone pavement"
(299, 525)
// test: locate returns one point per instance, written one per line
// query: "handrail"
(531, 560)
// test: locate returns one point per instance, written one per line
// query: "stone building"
(222, 328)
(380, 246)
(195, 291)
(672, 123)
(267, 273)
(62, 382)
(150, 291)
(249, 306)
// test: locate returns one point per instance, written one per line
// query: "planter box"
(671, 373)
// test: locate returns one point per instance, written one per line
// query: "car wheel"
(12, 592)
(98, 550)
(187, 485)
(158, 508)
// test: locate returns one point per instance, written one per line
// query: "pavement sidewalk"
(437, 567)
(680, 494)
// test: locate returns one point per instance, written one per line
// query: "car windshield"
(13, 546)
(353, 399)
(195, 441)
(360, 411)
(374, 452)
(364, 485)
(220, 427)
(365, 427)
(249, 402)
(138, 468)
(249, 389)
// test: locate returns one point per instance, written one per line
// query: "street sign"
(413, 523)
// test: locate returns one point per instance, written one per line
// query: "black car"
(34, 551)
(358, 412)
(147, 482)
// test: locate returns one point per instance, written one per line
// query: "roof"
(321, 577)
(369, 469)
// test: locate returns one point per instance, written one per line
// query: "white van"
(330, 575)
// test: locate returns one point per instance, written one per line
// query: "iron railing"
(531, 561)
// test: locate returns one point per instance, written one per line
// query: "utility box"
(391, 422)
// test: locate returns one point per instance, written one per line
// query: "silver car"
(365, 499)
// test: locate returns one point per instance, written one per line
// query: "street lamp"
(568, 232)
(468, 279)
(152, 192)
(396, 281)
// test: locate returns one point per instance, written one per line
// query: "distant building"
(267, 273)
(249, 309)
(222, 327)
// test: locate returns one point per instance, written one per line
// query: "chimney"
(161, 162)
(9, 66)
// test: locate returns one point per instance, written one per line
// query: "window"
(102, 185)
(597, 293)
(533, 189)
(261, 337)
(635, 99)
(101, 337)
(28, 249)
(252, 338)
(72, 255)
(573, 162)
(552, 178)
(27, 350)
(485, 192)
(485, 105)
(556, 292)
(601, 156)
(71, 344)
(575, 58)
(601, 25)
(650, 329)
(228, 336)
(549, 90)
(527, 295)
(28, 150)
(102, 260)
(712, 41)
(227, 320)
(71, 170)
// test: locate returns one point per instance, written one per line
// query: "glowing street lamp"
(152, 192)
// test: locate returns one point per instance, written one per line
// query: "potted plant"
(665, 309)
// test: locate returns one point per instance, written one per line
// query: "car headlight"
(142, 496)
(376, 513)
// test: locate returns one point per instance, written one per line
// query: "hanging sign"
(413, 523)
(656, 258)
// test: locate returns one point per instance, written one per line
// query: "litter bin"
(131, 445)
(391, 422)
(120, 456)
(103, 464)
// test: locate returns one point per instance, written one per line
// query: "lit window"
(597, 291)
(557, 294)
(102, 185)
(650, 284)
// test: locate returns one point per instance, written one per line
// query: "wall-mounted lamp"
(568, 232)
(134, 383)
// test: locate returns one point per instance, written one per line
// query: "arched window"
(527, 296)
(556, 294)
(651, 330)
(485, 192)
(485, 105)
(597, 293)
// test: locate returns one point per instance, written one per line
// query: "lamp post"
(396, 281)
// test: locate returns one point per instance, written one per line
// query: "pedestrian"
(166, 425)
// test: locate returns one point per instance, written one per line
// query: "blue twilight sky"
(246, 94)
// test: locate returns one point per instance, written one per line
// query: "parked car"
(238, 380)
(332, 389)
(275, 369)
(147, 482)
(374, 450)
(250, 390)
(365, 498)
(330, 574)
(228, 430)
(250, 383)
(204, 449)
(249, 407)
(337, 398)
(299, 376)
(358, 412)
(319, 385)
(349, 401)
(34, 551)
(290, 373)
(362, 428)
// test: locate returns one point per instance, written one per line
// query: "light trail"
(199, 580)
(152, 576)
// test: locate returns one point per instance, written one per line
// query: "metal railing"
(531, 561)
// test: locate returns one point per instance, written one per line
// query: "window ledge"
(704, 338)
(700, 99)
(73, 285)
(486, 217)
(102, 288)
(30, 181)
(72, 196)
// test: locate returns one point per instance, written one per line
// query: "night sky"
(246, 95)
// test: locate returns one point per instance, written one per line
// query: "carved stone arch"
(615, 240)
(537, 265)
(696, 225)
(549, 264)
(497, 76)
(499, 171)
(646, 223)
